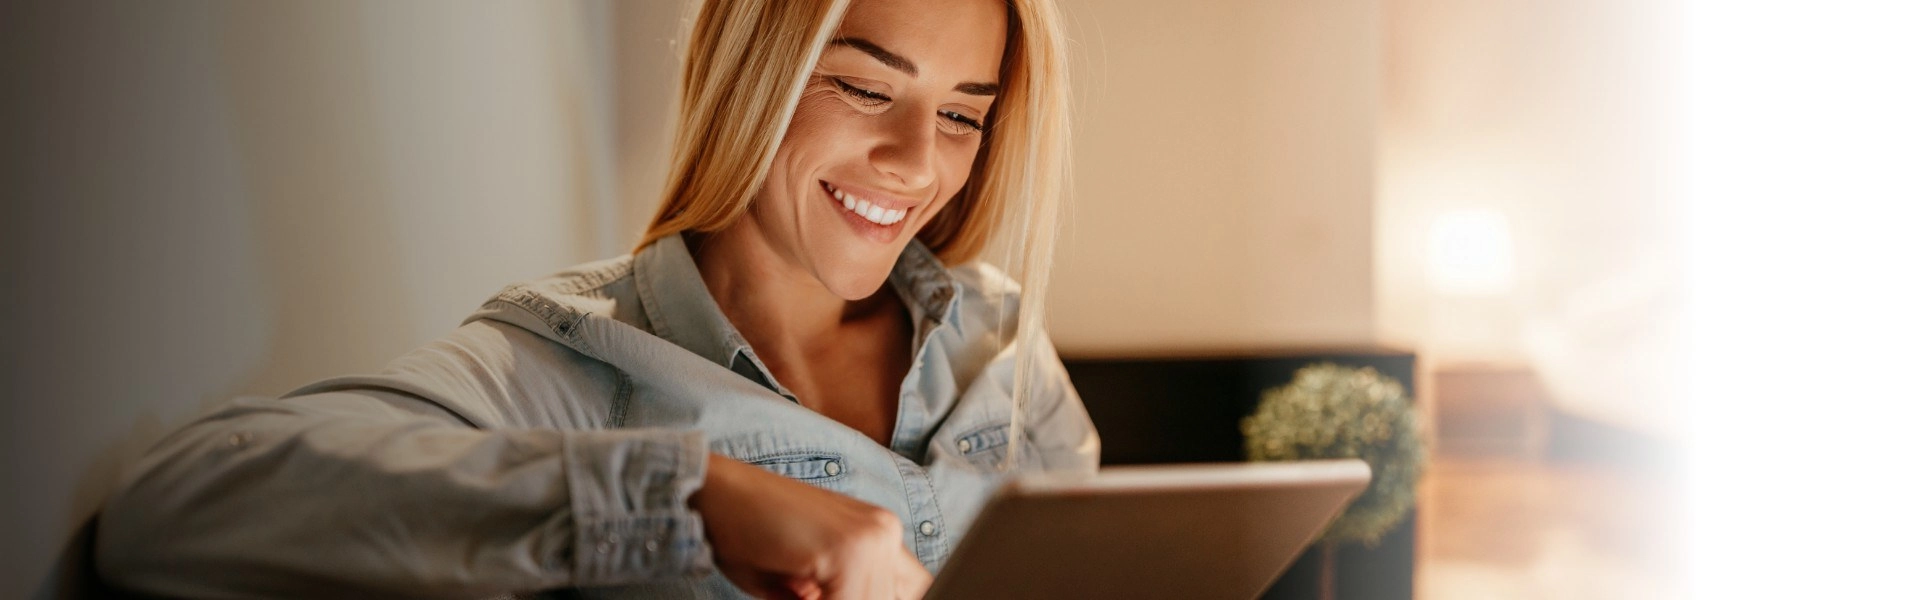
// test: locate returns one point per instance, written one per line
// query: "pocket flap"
(984, 439)
(805, 466)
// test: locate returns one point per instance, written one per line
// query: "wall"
(1224, 176)
(206, 199)
(1559, 115)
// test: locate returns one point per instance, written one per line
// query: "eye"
(955, 122)
(864, 96)
(969, 124)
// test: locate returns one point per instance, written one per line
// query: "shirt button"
(966, 445)
(926, 528)
(606, 546)
(833, 468)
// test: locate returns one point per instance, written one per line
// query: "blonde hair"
(746, 65)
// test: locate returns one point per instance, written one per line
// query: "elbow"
(169, 517)
(128, 544)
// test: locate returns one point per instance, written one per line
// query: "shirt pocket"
(818, 468)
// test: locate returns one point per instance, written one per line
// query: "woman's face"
(884, 135)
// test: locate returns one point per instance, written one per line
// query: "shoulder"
(989, 304)
(984, 285)
(981, 279)
(553, 305)
(521, 359)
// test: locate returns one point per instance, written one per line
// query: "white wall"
(1224, 176)
(206, 199)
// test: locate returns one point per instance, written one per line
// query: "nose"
(906, 149)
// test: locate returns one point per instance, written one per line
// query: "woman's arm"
(472, 468)
(440, 478)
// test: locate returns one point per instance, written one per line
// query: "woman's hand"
(774, 537)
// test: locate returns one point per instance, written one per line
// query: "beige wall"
(646, 49)
(1224, 176)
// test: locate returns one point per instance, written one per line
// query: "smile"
(866, 209)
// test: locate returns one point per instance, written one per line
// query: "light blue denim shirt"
(552, 441)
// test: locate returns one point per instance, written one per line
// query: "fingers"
(770, 586)
(804, 589)
(898, 575)
(886, 571)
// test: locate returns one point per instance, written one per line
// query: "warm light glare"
(1804, 141)
(1470, 253)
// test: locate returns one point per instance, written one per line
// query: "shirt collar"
(678, 306)
(925, 284)
(682, 311)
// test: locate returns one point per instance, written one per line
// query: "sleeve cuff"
(630, 515)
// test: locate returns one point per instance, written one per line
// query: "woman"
(805, 306)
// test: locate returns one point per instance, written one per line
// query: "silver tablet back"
(1183, 531)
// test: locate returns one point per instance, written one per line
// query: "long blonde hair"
(746, 65)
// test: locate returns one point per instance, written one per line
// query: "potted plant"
(1333, 411)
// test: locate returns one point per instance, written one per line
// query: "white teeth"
(866, 209)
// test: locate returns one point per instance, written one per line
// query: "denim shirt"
(552, 442)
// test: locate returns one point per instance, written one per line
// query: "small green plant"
(1331, 411)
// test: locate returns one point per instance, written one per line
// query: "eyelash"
(872, 98)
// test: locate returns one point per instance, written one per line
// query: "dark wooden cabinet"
(1187, 410)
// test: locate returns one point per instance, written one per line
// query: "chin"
(852, 280)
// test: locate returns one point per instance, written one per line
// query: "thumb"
(804, 589)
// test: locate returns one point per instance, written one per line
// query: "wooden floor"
(1499, 528)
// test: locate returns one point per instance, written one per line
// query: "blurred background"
(1646, 267)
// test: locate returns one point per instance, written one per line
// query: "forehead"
(946, 39)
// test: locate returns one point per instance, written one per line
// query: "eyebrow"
(901, 64)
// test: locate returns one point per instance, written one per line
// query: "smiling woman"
(802, 382)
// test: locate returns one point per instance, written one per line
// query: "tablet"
(1180, 531)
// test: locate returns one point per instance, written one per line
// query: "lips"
(875, 216)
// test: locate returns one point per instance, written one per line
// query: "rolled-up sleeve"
(631, 521)
(383, 486)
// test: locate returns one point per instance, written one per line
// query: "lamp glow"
(1470, 253)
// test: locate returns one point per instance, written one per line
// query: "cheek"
(808, 144)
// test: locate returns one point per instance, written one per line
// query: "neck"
(775, 303)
